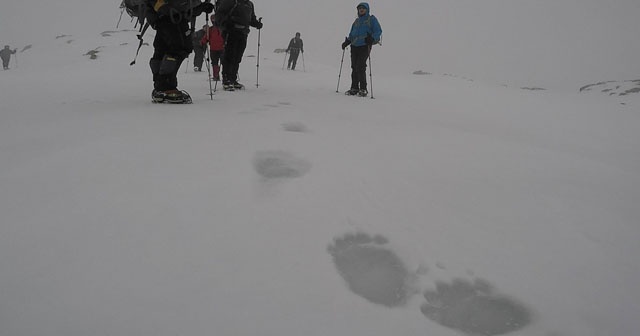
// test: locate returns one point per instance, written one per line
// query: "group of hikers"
(226, 38)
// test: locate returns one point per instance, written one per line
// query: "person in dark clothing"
(365, 32)
(172, 44)
(234, 18)
(216, 46)
(294, 49)
(198, 48)
(5, 54)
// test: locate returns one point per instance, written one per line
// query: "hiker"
(172, 44)
(234, 18)
(294, 49)
(365, 32)
(198, 49)
(5, 54)
(216, 46)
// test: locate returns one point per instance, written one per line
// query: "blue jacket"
(363, 25)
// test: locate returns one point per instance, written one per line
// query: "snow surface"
(445, 205)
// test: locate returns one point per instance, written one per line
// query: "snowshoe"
(363, 93)
(351, 92)
(228, 87)
(171, 97)
(238, 86)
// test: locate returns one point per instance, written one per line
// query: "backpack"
(135, 8)
(230, 12)
(138, 9)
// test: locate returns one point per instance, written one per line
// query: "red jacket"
(216, 42)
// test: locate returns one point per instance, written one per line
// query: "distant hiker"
(365, 32)
(234, 18)
(216, 46)
(5, 54)
(172, 44)
(294, 49)
(198, 49)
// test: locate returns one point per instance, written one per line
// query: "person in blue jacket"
(365, 32)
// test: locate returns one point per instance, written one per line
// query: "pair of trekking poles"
(370, 72)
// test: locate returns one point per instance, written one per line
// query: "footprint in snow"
(474, 308)
(371, 270)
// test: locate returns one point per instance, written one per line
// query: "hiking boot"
(363, 92)
(237, 85)
(351, 92)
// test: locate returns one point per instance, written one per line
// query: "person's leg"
(354, 69)
(177, 46)
(228, 57)
(198, 57)
(215, 59)
(362, 54)
(235, 44)
(295, 59)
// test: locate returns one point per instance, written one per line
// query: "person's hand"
(259, 25)
(346, 43)
(368, 40)
(207, 7)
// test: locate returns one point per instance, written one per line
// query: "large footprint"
(371, 270)
(279, 164)
(473, 308)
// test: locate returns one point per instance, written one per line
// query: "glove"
(258, 25)
(368, 40)
(206, 7)
(346, 43)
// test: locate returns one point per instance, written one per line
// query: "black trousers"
(172, 45)
(359, 57)
(235, 44)
(293, 58)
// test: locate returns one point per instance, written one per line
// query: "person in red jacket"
(216, 46)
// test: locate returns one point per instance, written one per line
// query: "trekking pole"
(208, 56)
(16, 57)
(187, 68)
(258, 58)
(340, 73)
(122, 11)
(370, 75)
(303, 67)
(285, 59)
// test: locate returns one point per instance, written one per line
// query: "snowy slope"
(443, 206)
